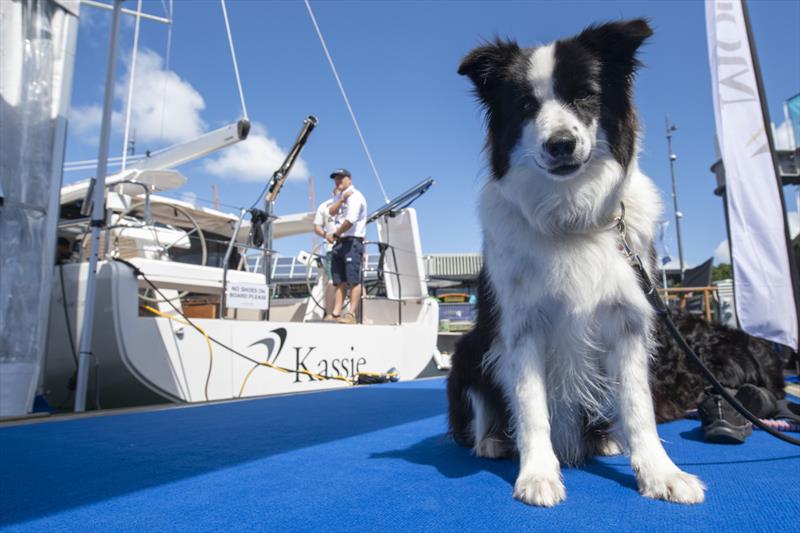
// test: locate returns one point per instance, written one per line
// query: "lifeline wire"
(233, 56)
(346, 100)
(166, 68)
(132, 75)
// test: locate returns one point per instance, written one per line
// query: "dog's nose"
(560, 144)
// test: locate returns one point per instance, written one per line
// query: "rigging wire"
(132, 76)
(346, 100)
(166, 69)
(233, 57)
(91, 164)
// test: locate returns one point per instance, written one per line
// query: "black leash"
(662, 310)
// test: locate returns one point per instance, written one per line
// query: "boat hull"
(150, 359)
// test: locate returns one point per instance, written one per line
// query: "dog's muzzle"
(561, 150)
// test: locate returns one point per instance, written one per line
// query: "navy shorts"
(346, 260)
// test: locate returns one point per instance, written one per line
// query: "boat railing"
(86, 205)
(381, 271)
(147, 192)
(226, 261)
(681, 298)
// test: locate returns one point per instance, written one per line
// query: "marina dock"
(372, 458)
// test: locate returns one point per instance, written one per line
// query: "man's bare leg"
(355, 299)
(330, 297)
(339, 299)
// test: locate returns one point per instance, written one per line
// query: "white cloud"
(189, 197)
(154, 90)
(84, 122)
(255, 158)
(164, 104)
(722, 254)
(794, 223)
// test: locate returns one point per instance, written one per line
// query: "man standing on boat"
(324, 224)
(349, 208)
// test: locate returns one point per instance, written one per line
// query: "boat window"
(216, 245)
(72, 210)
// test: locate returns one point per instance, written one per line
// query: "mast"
(98, 218)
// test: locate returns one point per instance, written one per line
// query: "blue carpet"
(367, 459)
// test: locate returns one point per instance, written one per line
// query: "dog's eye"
(583, 94)
(586, 99)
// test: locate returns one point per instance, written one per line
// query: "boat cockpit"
(195, 255)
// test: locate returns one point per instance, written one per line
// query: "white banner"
(763, 287)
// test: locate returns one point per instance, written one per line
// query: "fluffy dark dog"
(733, 356)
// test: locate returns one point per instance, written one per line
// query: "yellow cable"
(201, 330)
(319, 377)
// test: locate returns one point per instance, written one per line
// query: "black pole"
(730, 252)
(768, 127)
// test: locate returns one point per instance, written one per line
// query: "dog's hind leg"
(490, 425)
(603, 440)
(460, 413)
(466, 374)
(567, 428)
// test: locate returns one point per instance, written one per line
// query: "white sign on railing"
(247, 296)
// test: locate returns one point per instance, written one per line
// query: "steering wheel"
(138, 206)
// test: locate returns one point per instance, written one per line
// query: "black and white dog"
(559, 355)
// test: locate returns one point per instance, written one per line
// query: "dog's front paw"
(674, 486)
(538, 489)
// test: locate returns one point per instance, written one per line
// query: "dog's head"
(554, 109)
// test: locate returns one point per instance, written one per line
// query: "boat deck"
(366, 459)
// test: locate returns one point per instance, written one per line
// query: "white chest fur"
(562, 285)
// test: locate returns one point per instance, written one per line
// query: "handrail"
(382, 247)
(228, 252)
(146, 188)
(106, 229)
(682, 293)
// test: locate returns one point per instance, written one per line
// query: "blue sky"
(398, 63)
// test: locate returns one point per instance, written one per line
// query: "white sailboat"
(172, 320)
(144, 356)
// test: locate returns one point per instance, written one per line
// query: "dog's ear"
(616, 43)
(485, 64)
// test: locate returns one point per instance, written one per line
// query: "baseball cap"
(341, 172)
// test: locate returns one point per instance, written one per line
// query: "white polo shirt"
(325, 220)
(354, 209)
